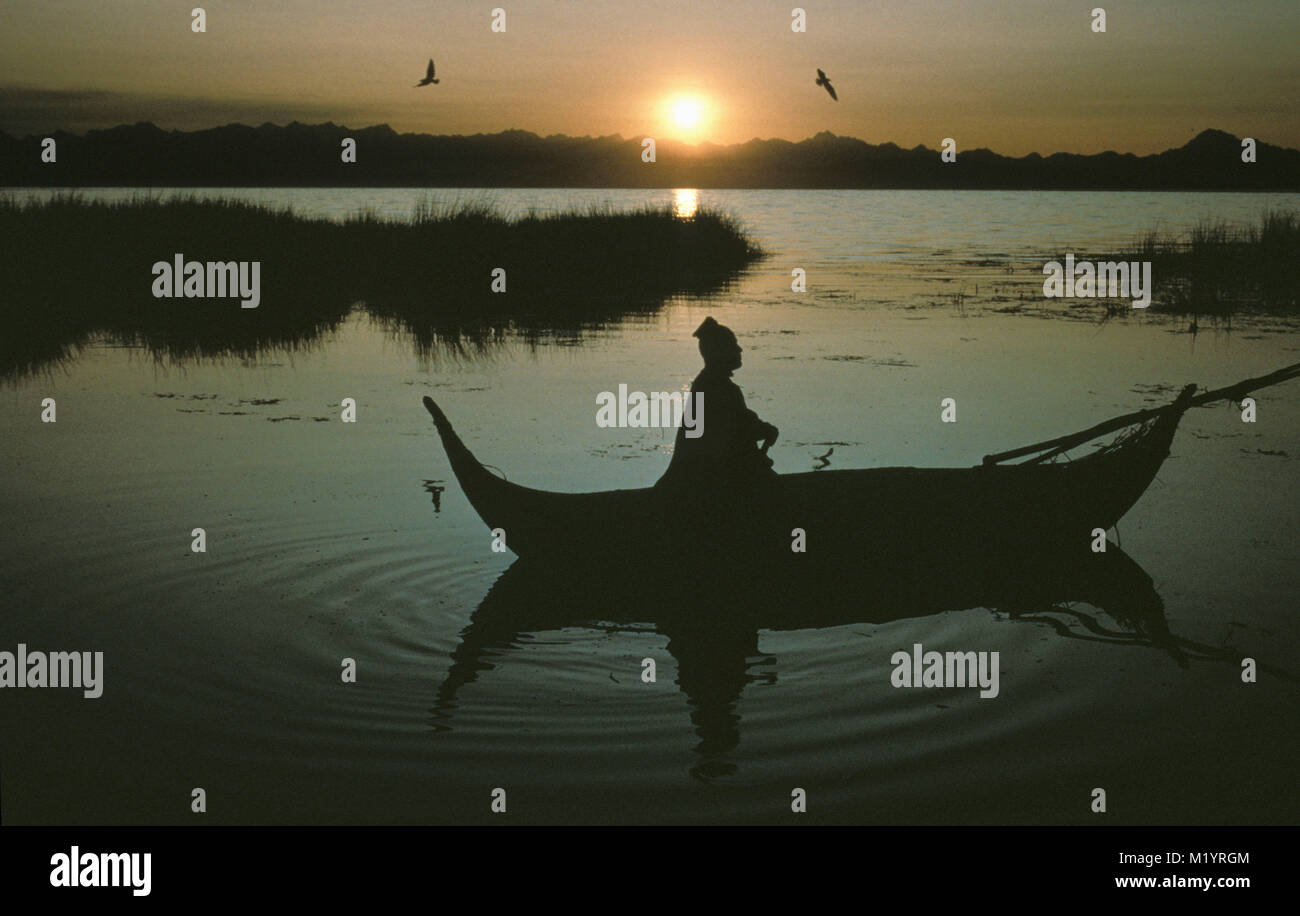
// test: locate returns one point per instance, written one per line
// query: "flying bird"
(428, 76)
(822, 80)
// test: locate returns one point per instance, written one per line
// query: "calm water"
(222, 670)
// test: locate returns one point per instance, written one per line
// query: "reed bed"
(1217, 268)
(77, 267)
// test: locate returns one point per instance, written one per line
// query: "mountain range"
(302, 155)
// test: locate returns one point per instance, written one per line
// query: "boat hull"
(841, 514)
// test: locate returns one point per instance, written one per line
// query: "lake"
(324, 543)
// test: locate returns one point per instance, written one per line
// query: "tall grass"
(1217, 268)
(75, 267)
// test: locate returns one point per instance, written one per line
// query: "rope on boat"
(1061, 443)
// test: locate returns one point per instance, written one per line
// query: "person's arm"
(756, 428)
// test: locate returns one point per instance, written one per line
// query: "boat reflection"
(713, 624)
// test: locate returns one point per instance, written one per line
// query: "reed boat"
(866, 514)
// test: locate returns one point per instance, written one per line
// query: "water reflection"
(713, 624)
(434, 488)
(685, 202)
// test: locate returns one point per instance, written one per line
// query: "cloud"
(26, 110)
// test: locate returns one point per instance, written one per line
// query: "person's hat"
(710, 329)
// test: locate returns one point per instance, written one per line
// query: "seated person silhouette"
(725, 458)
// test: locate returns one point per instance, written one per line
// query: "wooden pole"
(1062, 443)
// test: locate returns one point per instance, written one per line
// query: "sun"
(688, 115)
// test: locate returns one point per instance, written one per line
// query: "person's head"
(718, 345)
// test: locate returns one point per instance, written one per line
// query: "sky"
(1015, 76)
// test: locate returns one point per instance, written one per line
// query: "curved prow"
(530, 518)
(442, 423)
(1161, 430)
(541, 522)
(1168, 423)
(1137, 463)
(481, 486)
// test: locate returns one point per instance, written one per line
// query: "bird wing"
(820, 75)
(831, 90)
(429, 74)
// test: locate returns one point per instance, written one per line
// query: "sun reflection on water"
(685, 202)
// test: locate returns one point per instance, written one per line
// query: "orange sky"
(1012, 75)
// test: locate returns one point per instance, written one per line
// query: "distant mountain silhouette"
(309, 155)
